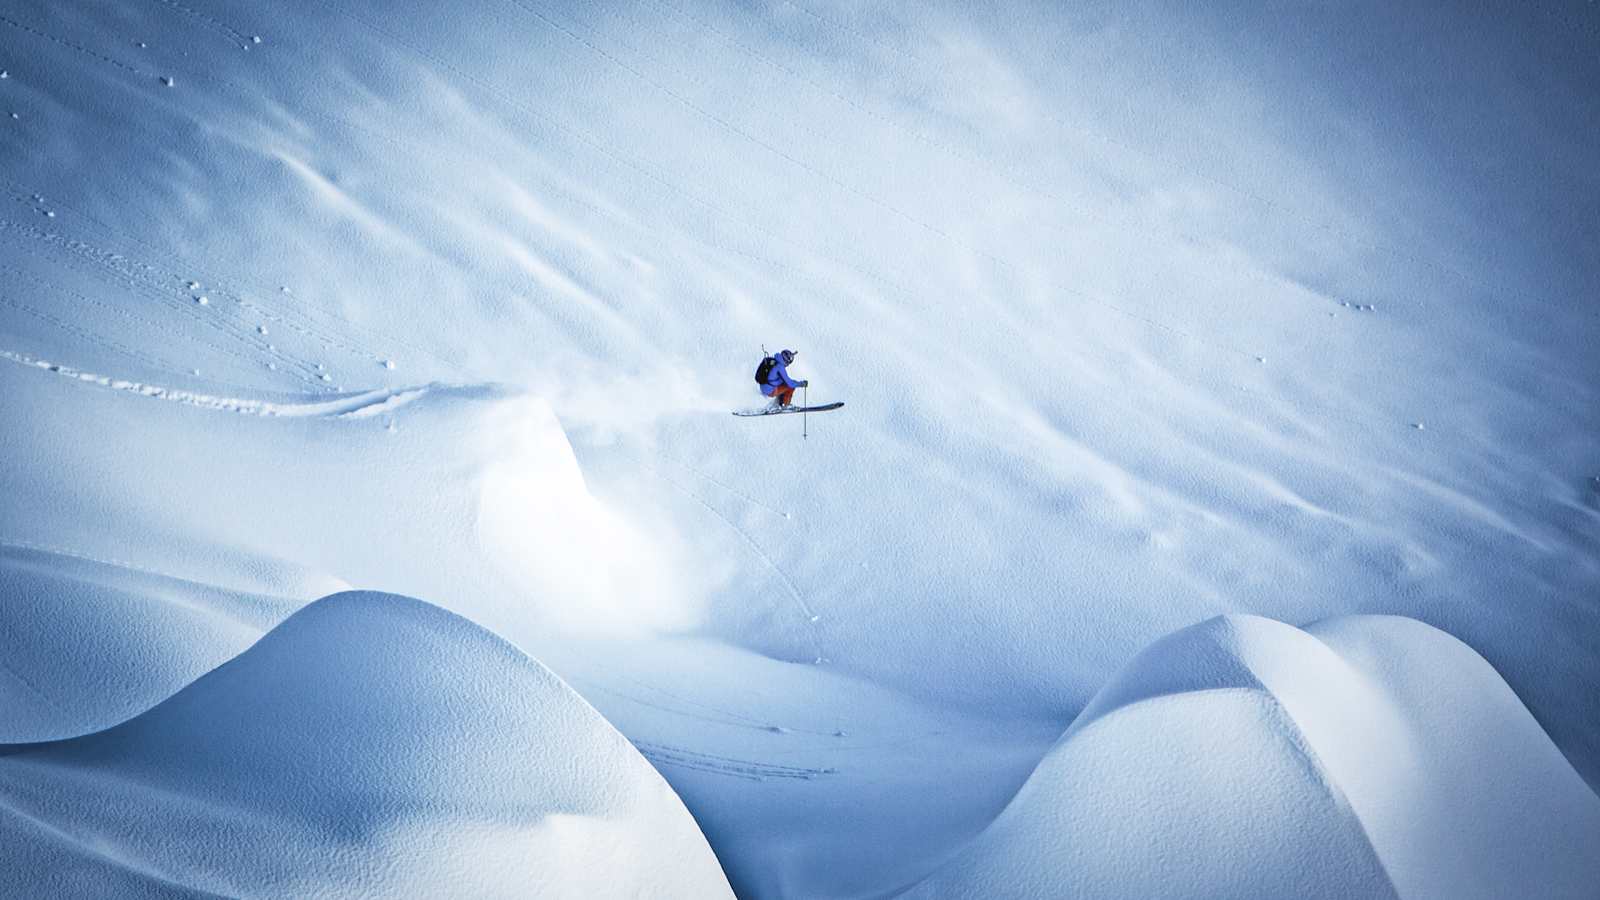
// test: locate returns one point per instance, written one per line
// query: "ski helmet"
(788, 357)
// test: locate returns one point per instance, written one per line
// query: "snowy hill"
(1367, 756)
(1143, 315)
(107, 641)
(369, 745)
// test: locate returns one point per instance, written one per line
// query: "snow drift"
(1366, 756)
(370, 744)
(95, 642)
(1139, 313)
(469, 495)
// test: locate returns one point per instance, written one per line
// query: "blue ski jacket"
(778, 375)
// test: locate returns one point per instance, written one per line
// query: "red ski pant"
(783, 394)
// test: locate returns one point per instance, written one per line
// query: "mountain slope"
(1142, 315)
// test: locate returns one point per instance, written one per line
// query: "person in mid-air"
(778, 384)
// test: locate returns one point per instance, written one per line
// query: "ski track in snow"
(145, 280)
(76, 47)
(788, 582)
(233, 35)
(750, 770)
(87, 336)
(173, 275)
(703, 712)
(348, 406)
(710, 480)
(127, 272)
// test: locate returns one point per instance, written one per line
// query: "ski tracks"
(679, 705)
(793, 589)
(162, 289)
(723, 485)
(233, 35)
(88, 337)
(366, 404)
(727, 766)
(76, 47)
(178, 286)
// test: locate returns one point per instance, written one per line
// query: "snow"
(110, 639)
(1365, 756)
(366, 403)
(328, 760)
(1071, 268)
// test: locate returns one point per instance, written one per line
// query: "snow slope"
(107, 641)
(371, 745)
(762, 746)
(1367, 756)
(1143, 315)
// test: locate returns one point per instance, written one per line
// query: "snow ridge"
(1313, 748)
(325, 761)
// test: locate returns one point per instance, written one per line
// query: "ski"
(778, 411)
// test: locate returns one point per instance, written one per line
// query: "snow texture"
(371, 744)
(109, 641)
(1142, 315)
(1366, 756)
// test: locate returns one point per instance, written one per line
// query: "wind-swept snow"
(94, 642)
(370, 745)
(1142, 315)
(1367, 756)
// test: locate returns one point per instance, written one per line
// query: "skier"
(778, 385)
(776, 382)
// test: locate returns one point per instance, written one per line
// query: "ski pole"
(805, 425)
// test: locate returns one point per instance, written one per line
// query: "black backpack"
(765, 369)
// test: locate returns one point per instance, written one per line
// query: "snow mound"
(1366, 756)
(370, 744)
(92, 643)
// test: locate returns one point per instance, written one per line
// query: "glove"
(805, 384)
